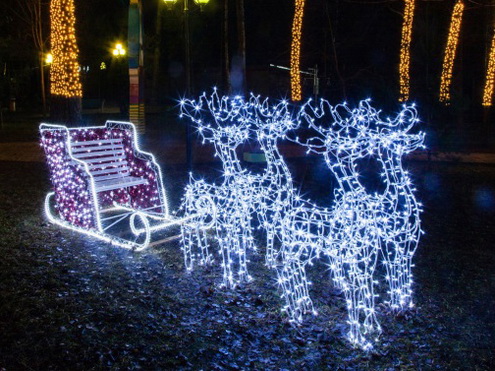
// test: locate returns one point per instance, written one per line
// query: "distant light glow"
(118, 50)
(450, 52)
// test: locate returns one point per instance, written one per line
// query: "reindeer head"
(218, 120)
(395, 135)
(270, 121)
(341, 131)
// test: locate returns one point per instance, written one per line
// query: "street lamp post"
(119, 56)
(135, 59)
(187, 52)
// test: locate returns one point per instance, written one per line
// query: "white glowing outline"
(114, 240)
(347, 136)
(164, 219)
(276, 203)
(353, 232)
(226, 130)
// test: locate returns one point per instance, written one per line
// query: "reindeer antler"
(274, 120)
(340, 129)
(395, 132)
(217, 118)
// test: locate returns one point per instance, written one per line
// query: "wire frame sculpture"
(104, 185)
(277, 206)
(352, 234)
(368, 225)
(219, 121)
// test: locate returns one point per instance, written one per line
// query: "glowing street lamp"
(201, 3)
(49, 58)
(119, 50)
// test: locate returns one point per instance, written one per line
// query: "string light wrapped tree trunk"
(405, 50)
(490, 76)
(66, 89)
(450, 52)
(295, 53)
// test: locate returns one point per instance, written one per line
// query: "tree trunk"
(65, 111)
(66, 88)
(241, 34)
(226, 65)
(156, 56)
(42, 82)
(41, 45)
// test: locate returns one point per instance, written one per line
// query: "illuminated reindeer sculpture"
(365, 224)
(226, 129)
(351, 233)
(352, 243)
(276, 195)
(400, 226)
(277, 203)
(269, 196)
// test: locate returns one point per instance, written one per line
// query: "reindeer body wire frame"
(219, 121)
(357, 229)
(287, 250)
(368, 225)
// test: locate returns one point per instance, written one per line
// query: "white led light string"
(400, 223)
(220, 121)
(352, 234)
(351, 244)
(269, 196)
(276, 202)
(367, 224)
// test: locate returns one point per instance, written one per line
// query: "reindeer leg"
(270, 259)
(398, 263)
(359, 294)
(224, 239)
(294, 285)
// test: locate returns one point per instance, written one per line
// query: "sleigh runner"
(102, 181)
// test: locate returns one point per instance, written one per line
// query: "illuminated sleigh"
(105, 186)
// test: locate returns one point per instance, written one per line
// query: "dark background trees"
(354, 43)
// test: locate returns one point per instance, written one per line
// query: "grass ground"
(68, 302)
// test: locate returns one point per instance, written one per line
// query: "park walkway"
(174, 153)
